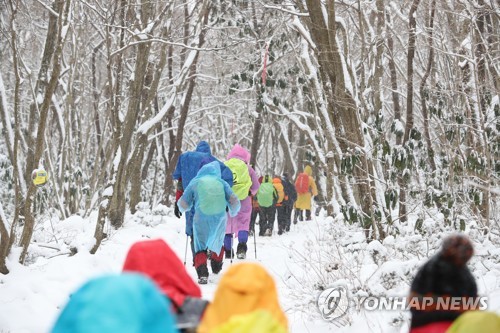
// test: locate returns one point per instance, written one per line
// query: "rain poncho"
(259, 321)
(127, 303)
(157, 260)
(243, 289)
(208, 227)
(187, 167)
(241, 222)
(476, 321)
(304, 199)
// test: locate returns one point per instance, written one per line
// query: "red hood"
(156, 259)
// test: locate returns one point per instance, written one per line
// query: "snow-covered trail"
(38, 291)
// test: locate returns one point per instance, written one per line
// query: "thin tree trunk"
(425, 113)
(29, 219)
(409, 102)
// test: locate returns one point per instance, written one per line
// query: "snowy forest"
(394, 104)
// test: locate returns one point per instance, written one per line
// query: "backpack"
(302, 183)
(290, 192)
(265, 195)
(211, 195)
(241, 177)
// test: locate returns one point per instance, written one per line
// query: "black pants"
(282, 219)
(266, 219)
(253, 218)
(298, 214)
(288, 215)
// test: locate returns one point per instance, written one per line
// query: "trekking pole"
(254, 242)
(186, 251)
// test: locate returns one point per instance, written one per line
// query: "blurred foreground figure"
(446, 281)
(127, 303)
(155, 259)
(246, 299)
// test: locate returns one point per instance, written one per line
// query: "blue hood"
(203, 147)
(126, 303)
(210, 169)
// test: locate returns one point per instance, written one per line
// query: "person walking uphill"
(245, 184)
(267, 196)
(188, 165)
(306, 189)
(210, 196)
(288, 201)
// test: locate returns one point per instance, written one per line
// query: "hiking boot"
(229, 253)
(269, 232)
(241, 251)
(280, 232)
(202, 272)
(216, 266)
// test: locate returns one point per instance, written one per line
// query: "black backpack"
(290, 192)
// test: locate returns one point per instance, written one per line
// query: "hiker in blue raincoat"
(125, 303)
(211, 197)
(188, 165)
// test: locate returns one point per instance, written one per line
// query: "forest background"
(395, 104)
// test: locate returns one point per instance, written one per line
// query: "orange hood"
(244, 288)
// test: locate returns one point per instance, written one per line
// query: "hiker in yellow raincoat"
(246, 294)
(306, 189)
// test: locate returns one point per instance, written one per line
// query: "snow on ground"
(312, 256)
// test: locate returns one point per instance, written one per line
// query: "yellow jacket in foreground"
(243, 289)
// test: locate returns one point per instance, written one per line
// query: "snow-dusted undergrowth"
(311, 257)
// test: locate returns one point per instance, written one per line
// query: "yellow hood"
(308, 170)
(243, 289)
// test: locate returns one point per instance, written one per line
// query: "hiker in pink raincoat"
(245, 184)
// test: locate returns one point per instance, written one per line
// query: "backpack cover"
(241, 177)
(211, 194)
(302, 183)
(265, 195)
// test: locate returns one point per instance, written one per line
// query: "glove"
(177, 212)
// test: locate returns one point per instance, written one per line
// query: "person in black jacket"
(443, 276)
(289, 200)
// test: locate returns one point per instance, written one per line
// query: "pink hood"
(240, 153)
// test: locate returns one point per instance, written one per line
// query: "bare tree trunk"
(425, 113)
(44, 110)
(394, 79)
(409, 102)
(341, 105)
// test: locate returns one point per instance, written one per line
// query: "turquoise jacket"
(126, 303)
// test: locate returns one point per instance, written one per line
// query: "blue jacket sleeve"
(187, 199)
(178, 169)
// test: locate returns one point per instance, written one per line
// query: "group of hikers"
(155, 294)
(223, 200)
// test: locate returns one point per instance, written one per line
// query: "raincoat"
(257, 321)
(304, 199)
(127, 303)
(476, 321)
(241, 222)
(187, 167)
(243, 289)
(157, 260)
(208, 229)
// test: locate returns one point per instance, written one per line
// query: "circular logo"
(333, 302)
